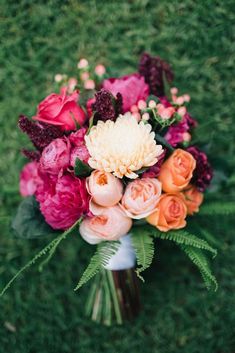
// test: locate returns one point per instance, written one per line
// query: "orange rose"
(193, 199)
(170, 214)
(176, 171)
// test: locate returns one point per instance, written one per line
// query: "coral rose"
(64, 204)
(141, 197)
(61, 110)
(193, 199)
(55, 157)
(170, 214)
(176, 172)
(107, 224)
(105, 189)
(29, 179)
(132, 88)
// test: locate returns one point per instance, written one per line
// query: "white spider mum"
(122, 147)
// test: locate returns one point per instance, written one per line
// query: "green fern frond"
(185, 238)
(104, 252)
(217, 208)
(199, 259)
(142, 242)
(51, 247)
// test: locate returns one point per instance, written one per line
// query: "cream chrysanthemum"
(122, 147)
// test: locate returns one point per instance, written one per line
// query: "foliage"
(199, 259)
(81, 169)
(142, 242)
(28, 222)
(104, 252)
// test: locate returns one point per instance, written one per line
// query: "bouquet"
(114, 164)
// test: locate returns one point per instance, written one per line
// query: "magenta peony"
(132, 88)
(61, 110)
(78, 147)
(64, 204)
(29, 179)
(56, 156)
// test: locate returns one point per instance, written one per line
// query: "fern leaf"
(142, 242)
(217, 208)
(100, 259)
(185, 238)
(199, 259)
(51, 247)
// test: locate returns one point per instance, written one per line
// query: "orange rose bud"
(176, 172)
(193, 199)
(170, 214)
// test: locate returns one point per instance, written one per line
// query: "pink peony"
(55, 157)
(29, 179)
(132, 88)
(64, 205)
(78, 149)
(61, 110)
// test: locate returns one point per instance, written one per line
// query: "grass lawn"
(41, 313)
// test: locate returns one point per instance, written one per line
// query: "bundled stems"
(114, 297)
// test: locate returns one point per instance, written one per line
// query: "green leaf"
(163, 142)
(104, 252)
(183, 237)
(217, 208)
(82, 169)
(29, 222)
(142, 242)
(199, 259)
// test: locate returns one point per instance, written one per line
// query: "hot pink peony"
(56, 156)
(132, 88)
(29, 179)
(78, 147)
(64, 205)
(61, 110)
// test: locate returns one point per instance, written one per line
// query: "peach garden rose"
(105, 189)
(108, 223)
(141, 197)
(193, 199)
(177, 171)
(170, 214)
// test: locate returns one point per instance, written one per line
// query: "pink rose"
(29, 179)
(105, 189)
(132, 88)
(64, 205)
(55, 157)
(108, 223)
(141, 197)
(61, 110)
(79, 149)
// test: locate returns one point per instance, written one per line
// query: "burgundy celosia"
(153, 69)
(203, 172)
(32, 155)
(63, 204)
(154, 171)
(106, 106)
(41, 134)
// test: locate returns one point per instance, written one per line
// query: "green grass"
(42, 38)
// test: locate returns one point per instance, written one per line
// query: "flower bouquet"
(115, 165)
